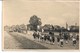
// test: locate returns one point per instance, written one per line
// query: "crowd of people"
(60, 38)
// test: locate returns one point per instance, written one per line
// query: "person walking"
(34, 35)
(74, 39)
(61, 39)
(52, 38)
(58, 39)
(66, 37)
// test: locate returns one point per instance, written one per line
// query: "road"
(15, 40)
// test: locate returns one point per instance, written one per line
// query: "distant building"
(57, 27)
(48, 27)
(74, 28)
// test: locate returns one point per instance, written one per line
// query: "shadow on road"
(26, 43)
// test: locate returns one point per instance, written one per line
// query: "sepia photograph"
(44, 25)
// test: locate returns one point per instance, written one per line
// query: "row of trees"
(16, 28)
(35, 24)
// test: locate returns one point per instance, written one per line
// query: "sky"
(51, 12)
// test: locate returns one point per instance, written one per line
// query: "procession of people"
(61, 38)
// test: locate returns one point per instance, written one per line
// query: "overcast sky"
(50, 12)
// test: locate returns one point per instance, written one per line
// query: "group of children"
(61, 38)
(66, 37)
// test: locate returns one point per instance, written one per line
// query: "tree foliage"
(35, 21)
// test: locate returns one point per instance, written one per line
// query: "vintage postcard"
(40, 24)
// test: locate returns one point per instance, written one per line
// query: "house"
(74, 28)
(48, 27)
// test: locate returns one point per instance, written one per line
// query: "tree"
(17, 27)
(35, 21)
(23, 28)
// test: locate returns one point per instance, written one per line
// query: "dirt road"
(17, 41)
